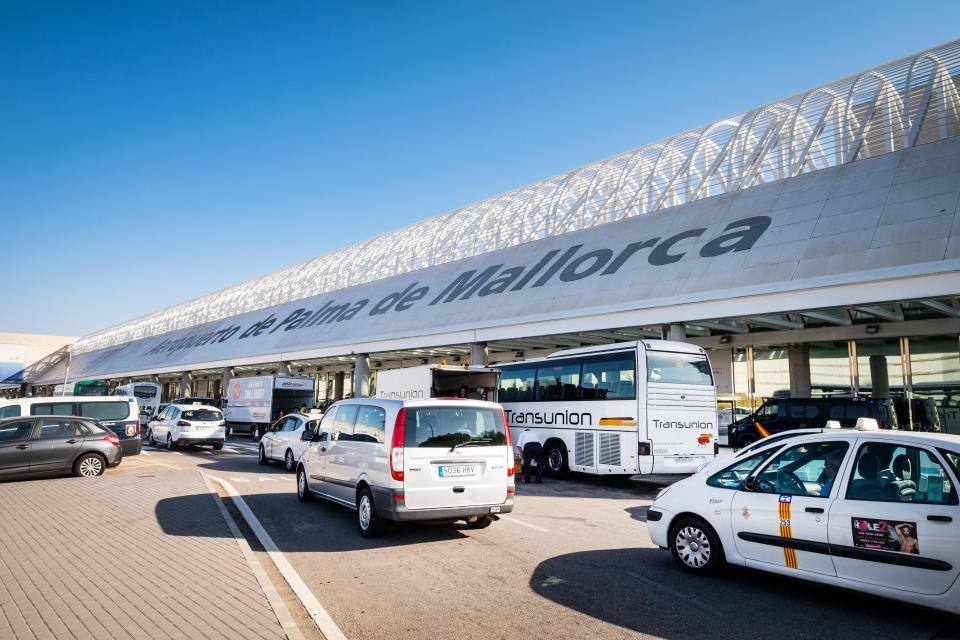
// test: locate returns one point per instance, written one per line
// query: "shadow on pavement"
(192, 515)
(644, 591)
(637, 513)
(320, 526)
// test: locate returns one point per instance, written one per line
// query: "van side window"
(370, 425)
(804, 410)
(105, 410)
(346, 416)
(770, 410)
(52, 409)
(13, 411)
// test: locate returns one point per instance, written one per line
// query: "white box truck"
(438, 381)
(254, 403)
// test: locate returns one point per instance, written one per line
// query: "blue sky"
(156, 151)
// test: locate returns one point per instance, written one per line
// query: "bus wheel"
(556, 459)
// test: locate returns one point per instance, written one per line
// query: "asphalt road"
(572, 561)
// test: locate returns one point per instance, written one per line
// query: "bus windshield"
(678, 368)
(143, 391)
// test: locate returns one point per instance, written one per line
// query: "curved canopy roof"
(892, 107)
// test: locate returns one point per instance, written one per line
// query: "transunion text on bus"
(547, 417)
(681, 424)
(564, 265)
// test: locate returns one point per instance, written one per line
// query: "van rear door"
(455, 455)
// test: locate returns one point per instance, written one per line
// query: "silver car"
(56, 445)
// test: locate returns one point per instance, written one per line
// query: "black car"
(56, 445)
(782, 414)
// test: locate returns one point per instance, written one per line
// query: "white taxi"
(285, 441)
(181, 424)
(869, 510)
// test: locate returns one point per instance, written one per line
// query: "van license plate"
(494, 509)
(458, 470)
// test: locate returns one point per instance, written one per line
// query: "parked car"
(438, 459)
(781, 414)
(182, 424)
(119, 414)
(869, 510)
(56, 445)
(284, 441)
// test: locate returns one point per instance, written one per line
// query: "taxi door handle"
(813, 510)
(23, 446)
(940, 518)
(323, 448)
(72, 441)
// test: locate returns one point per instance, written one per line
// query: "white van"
(441, 459)
(120, 415)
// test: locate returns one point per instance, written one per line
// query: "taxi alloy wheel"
(262, 456)
(695, 546)
(288, 461)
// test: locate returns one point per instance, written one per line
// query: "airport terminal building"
(811, 244)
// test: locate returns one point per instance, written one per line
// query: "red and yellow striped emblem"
(786, 531)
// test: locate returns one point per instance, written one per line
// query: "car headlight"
(661, 493)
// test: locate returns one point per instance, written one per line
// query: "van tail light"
(643, 449)
(396, 446)
(183, 423)
(703, 439)
(510, 462)
(112, 439)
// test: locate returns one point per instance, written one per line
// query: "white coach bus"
(146, 393)
(647, 407)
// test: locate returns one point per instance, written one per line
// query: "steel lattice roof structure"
(898, 105)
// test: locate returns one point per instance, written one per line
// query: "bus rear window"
(447, 426)
(678, 368)
(144, 392)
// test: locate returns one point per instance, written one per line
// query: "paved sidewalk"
(135, 555)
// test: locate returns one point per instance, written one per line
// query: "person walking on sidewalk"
(530, 448)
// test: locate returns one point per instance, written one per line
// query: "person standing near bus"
(530, 448)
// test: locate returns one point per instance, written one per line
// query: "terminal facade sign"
(785, 236)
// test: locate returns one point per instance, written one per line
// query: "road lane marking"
(280, 609)
(240, 479)
(320, 616)
(526, 524)
(144, 453)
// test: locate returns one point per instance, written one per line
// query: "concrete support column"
(338, 385)
(225, 384)
(361, 376)
(26, 390)
(284, 369)
(154, 379)
(675, 331)
(799, 364)
(880, 377)
(185, 379)
(479, 354)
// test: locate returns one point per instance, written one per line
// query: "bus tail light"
(396, 446)
(511, 467)
(643, 449)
